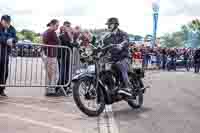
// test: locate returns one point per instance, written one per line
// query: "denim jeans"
(123, 67)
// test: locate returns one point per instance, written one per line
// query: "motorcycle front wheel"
(85, 97)
(139, 98)
(137, 102)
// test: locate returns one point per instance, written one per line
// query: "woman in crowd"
(51, 64)
(86, 38)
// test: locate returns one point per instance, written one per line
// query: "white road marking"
(38, 108)
(38, 123)
(106, 121)
(145, 116)
(40, 98)
(13, 99)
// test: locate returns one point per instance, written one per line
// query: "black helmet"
(112, 21)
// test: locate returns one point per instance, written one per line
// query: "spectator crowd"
(57, 59)
(161, 57)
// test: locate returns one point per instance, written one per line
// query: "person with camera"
(66, 39)
(7, 40)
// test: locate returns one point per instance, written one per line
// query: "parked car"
(25, 49)
(173, 64)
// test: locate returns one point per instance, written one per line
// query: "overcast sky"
(135, 15)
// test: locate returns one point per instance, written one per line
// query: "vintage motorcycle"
(97, 85)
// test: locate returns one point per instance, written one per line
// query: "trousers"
(123, 67)
(4, 62)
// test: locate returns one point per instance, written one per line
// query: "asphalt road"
(171, 106)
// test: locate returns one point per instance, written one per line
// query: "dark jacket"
(164, 53)
(4, 36)
(64, 41)
(172, 54)
(186, 55)
(118, 38)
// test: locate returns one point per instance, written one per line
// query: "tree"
(37, 39)
(138, 38)
(189, 36)
(175, 39)
(148, 37)
(192, 33)
(20, 36)
(29, 35)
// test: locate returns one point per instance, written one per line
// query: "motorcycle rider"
(119, 52)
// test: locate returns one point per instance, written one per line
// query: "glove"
(10, 42)
(119, 46)
(97, 50)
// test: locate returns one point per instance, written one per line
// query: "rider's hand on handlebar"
(119, 46)
(96, 50)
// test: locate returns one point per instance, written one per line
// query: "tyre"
(89, 95)
(136, 103)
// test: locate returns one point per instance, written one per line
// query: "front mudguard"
(102, 91)
(82, 76)
(79, 77)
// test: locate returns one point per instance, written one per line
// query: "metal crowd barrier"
(37, 65)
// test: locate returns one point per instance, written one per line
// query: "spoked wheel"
(85, 97)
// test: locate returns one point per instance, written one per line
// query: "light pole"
(155, 6)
